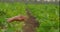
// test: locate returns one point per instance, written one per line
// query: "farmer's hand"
(17, 18)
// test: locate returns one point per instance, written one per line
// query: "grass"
(46, 14)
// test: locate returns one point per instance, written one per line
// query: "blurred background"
(45, 11)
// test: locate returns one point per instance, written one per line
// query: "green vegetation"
(46, 14)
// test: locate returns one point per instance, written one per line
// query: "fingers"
(10, 20)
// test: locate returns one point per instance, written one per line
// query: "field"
(46, 14)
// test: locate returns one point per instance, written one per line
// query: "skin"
(17, 18)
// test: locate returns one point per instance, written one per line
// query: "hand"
(17, 18)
